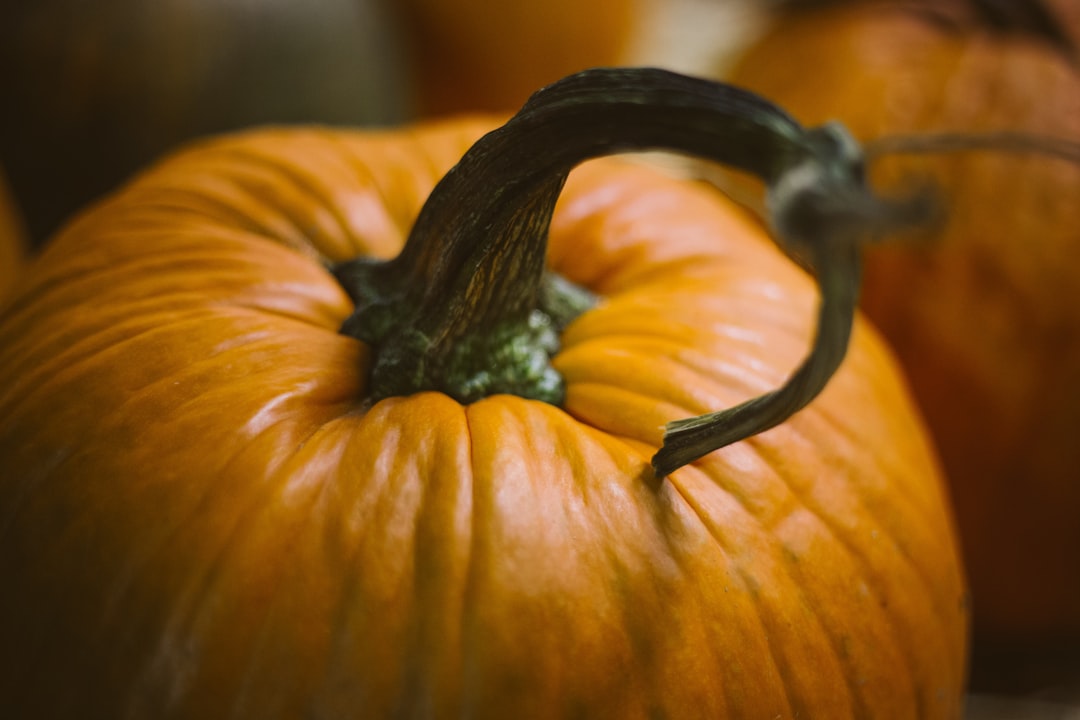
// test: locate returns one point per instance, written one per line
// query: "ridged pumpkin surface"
(201, 517)
(983, 315)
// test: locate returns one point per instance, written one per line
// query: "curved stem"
(690, 439)
(464, 295)
(822, 212)
(467, 307)
(822, 216)
(513, 175)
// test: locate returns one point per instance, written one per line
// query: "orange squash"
(984, 314)
(470, 55)
(207, 509)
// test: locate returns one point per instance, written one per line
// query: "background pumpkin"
(101, 89)
(983, 315)
(469, 55)
(203, 516)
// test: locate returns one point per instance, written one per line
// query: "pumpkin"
(12, 246)
(487, 55)
(102, 89)
(212, 504)
(983, 313)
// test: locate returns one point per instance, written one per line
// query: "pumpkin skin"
(487, 55)
(982, 315)
(203, 517)
(103, 89)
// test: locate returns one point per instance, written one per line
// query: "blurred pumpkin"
(490, 55)
(93, 91)
(984, 314)
(12, 246)
(207, 511)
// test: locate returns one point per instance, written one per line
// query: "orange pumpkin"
(984, 314)
(12, 246)
(490, 55)
(206, 511)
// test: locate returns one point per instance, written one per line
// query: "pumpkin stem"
(467, 307)
(821, 211)
(1003, 141)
